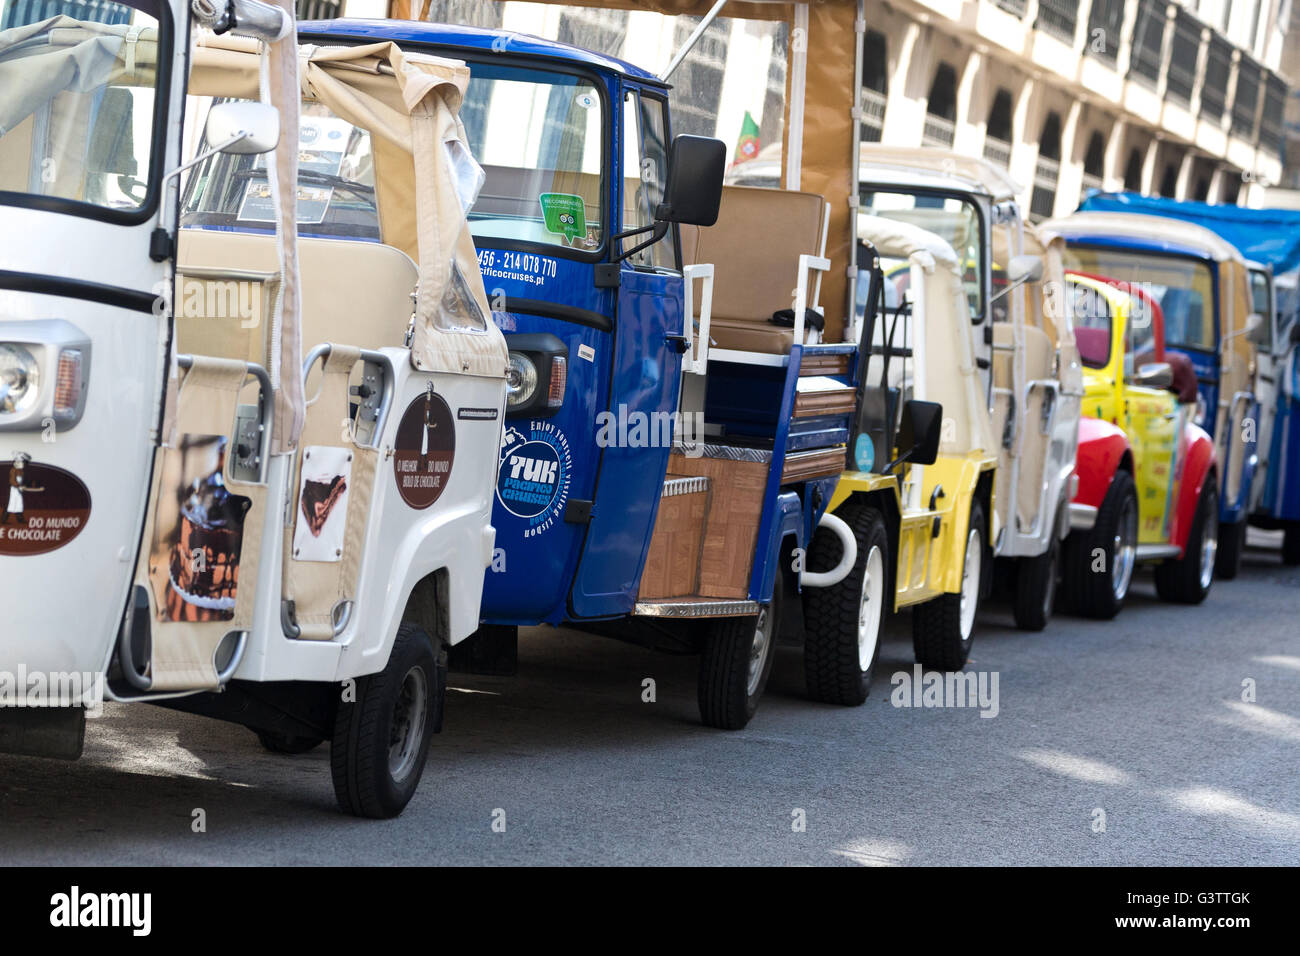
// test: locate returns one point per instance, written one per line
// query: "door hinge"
(161, 245)
(607, 275)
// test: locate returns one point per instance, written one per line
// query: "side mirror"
(1025, 268)
(243, 128)
(1257, 329)
(918, 435)
(696, 165)
(1153, 375)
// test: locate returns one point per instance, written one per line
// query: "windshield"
(1182, 287)
(1259, 304)
(78, 88)
(1093, 330)
(539, 136)
(953, 219)
(336, 181)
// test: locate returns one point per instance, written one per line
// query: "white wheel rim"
(970, 583)
(1209, 547)
(871, 608)
(1125, 551)
(407, 731)
(758, 651)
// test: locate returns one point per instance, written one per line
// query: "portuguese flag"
(747, 145)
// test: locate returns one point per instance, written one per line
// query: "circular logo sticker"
(533, 478)
(44, 507)
(424, 450)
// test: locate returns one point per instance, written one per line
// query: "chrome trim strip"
(681, 609)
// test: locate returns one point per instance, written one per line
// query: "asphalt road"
(1141, 719)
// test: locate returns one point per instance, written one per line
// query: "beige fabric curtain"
(409, 104)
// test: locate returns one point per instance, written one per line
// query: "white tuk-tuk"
(248, 476)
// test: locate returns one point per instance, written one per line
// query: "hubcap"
(870, 608)
(1124, 550)
(407, 732)
(758, 650)
(1209, 545)
(970, 583)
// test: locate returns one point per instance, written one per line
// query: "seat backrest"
(353, 293)
(755, 247)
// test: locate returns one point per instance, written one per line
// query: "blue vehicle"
(1201, 284)
(1269, 239)
(662, 467)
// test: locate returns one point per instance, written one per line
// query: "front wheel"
(842, 623)
(1232, 542)
(942, 628)
(381, 738)
(1099, 563)
(1187, 580)
(735, 664)
(1036, 587)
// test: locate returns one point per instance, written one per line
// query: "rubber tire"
(1179, 581)
(1036, 579)
(723, 686)
(1083, 591)
(282, 743)
(1232, 542)
(363, 785)
(936, 625)
(831, 668)
(1291, 545)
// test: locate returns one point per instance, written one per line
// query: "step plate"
(681, 609)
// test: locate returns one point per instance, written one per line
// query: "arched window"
(1169, 181)
(997, 132)
(941, 108)
(1133, 171)
(1047, 171)
(1094, 163)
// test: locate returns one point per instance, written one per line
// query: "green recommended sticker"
(565, 215)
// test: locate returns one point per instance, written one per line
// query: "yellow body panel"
(1149, 416)
(927, 565)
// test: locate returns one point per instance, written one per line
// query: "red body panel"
(1196, 453)
(1101, 446)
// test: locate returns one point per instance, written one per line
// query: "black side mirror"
(918, 435)
(696, 165)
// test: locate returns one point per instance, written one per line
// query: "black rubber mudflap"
(43, 731)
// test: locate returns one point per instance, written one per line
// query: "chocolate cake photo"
(322, 504)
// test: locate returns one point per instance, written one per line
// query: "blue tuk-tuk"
(663, 467)
(1202, 286)
(1269, 240)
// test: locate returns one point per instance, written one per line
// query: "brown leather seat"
(755, 248)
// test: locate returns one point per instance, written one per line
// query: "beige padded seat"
(353, 293)
(755, 248)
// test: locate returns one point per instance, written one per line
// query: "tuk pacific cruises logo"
(534, 476)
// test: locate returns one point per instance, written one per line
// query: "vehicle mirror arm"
(658, 230)
(160, 241)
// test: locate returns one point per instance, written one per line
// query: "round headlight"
(521, 380)
(20, 379)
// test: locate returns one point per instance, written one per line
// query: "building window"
(1148, 41)
(1169, 181)
(321, 9)
(875, 86)
(1272, 130)
(1094, 163)
(1058, 18)
(1184, 50)
(941, 109)
(1047, 171)
(997, 132)
(1105, 21)
(1214, 88)
(1133, 171)
(1245, 102)
(1014, 7)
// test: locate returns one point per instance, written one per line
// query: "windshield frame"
(148, 210)
(471, 56)
(970, 199)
